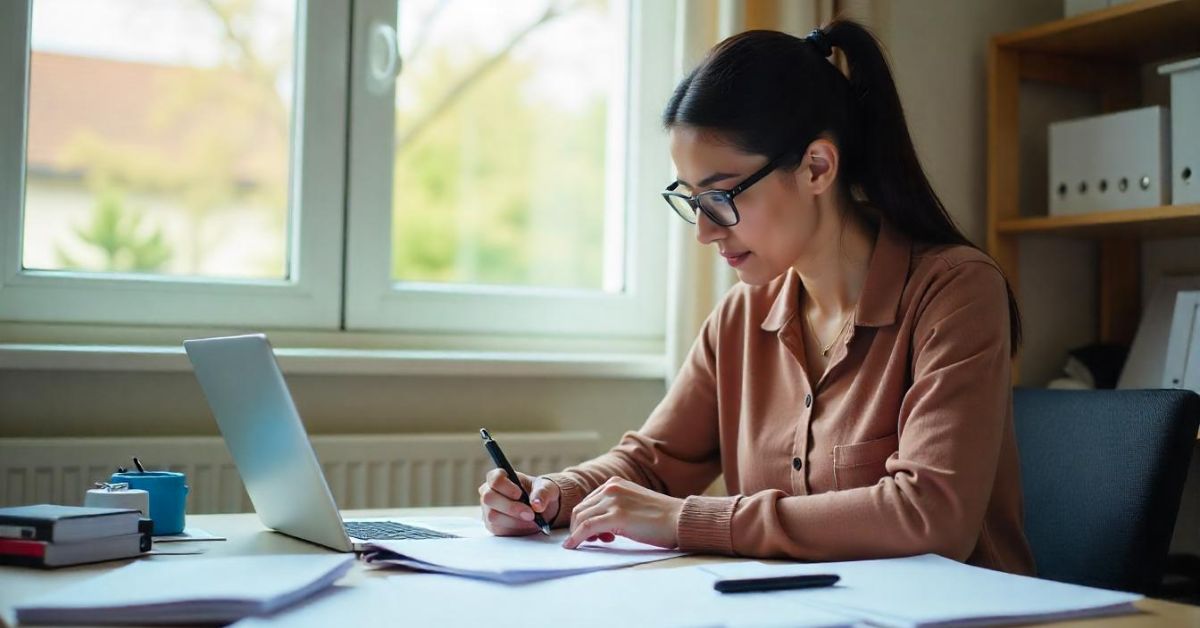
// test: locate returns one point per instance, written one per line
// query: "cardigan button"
(807, 401)
(797, 463)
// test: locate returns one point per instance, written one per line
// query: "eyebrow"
(707, 181)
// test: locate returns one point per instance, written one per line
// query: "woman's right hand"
(503, 512)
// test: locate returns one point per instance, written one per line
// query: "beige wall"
(60, 403)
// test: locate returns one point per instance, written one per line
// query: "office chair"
(1103, 472)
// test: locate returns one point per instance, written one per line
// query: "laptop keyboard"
(390, 531)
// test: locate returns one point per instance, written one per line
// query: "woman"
(854, 388)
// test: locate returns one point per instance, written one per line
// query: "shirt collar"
(887, 272)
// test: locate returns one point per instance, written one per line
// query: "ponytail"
(771, 93)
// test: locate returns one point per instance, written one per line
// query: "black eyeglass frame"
(725, 195)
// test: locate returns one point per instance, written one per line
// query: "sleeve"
(676, 452)
(951, 426)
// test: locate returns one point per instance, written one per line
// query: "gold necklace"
(826, 348)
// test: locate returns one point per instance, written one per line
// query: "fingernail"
(526, 515)
(537, 501)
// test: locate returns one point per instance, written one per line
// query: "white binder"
(1185, 130)
(1147, 357)
(1182, 366)
(1110, 162)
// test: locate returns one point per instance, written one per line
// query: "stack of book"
(48, 535)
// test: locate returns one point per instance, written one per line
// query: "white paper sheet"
(667, 597)
(188, 590)
(189, 534)
(513, 559)
(932, 590)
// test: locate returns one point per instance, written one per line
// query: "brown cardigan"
(904, 447)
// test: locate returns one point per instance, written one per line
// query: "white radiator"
(363, 471)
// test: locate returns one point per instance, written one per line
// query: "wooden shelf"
(1103, 53)
(1142, 31)
(1170, 221)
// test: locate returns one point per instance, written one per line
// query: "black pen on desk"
(493, 449)
(775, 583)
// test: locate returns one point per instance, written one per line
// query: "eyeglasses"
(716, 204)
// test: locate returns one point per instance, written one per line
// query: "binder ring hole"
(1062, 189)
(1103, 185)
(1187, 173)
(1083, 187)
(1123, 184)
(1144, 182)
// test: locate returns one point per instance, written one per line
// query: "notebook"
(191, 590)
(54, 523)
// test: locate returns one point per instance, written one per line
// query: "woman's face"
(778, 213)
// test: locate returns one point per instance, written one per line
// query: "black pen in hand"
(493, 449)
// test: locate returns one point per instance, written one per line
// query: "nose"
(708, 231)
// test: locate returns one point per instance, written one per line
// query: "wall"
(59, 403)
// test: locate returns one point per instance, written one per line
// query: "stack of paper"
(631, 597)
(932, 590)
(513, 559)
(919, 591)
(188, 591)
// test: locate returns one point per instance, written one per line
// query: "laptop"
(247, 394)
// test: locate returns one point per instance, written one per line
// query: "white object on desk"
(189, 534)
(125, 497)
(682, 596)
(188, 590)
(514, 559)
(932, 590)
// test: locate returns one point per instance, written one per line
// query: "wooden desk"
(247, 536)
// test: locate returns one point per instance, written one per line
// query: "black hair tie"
(818, 38)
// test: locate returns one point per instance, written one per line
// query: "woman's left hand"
(622, 508)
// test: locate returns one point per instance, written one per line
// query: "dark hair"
(770, 93)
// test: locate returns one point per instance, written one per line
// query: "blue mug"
(168, 497)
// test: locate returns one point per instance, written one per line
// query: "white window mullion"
(14, 81)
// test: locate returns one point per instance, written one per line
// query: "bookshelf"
(1102, 52)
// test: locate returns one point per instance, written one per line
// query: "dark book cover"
(52, 522)
(44, 554)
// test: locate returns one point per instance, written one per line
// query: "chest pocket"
(862, 464)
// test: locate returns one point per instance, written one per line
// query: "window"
(153, 171)
(520, 203)
(431, 166)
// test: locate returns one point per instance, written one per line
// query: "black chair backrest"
(1103, 472)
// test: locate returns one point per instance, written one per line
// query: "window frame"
(375, 302)
(340, 282)
(309, 298)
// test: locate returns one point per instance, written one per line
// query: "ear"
(819, 168)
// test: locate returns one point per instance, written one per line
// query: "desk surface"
(247, 536)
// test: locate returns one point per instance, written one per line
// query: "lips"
(735, 259)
